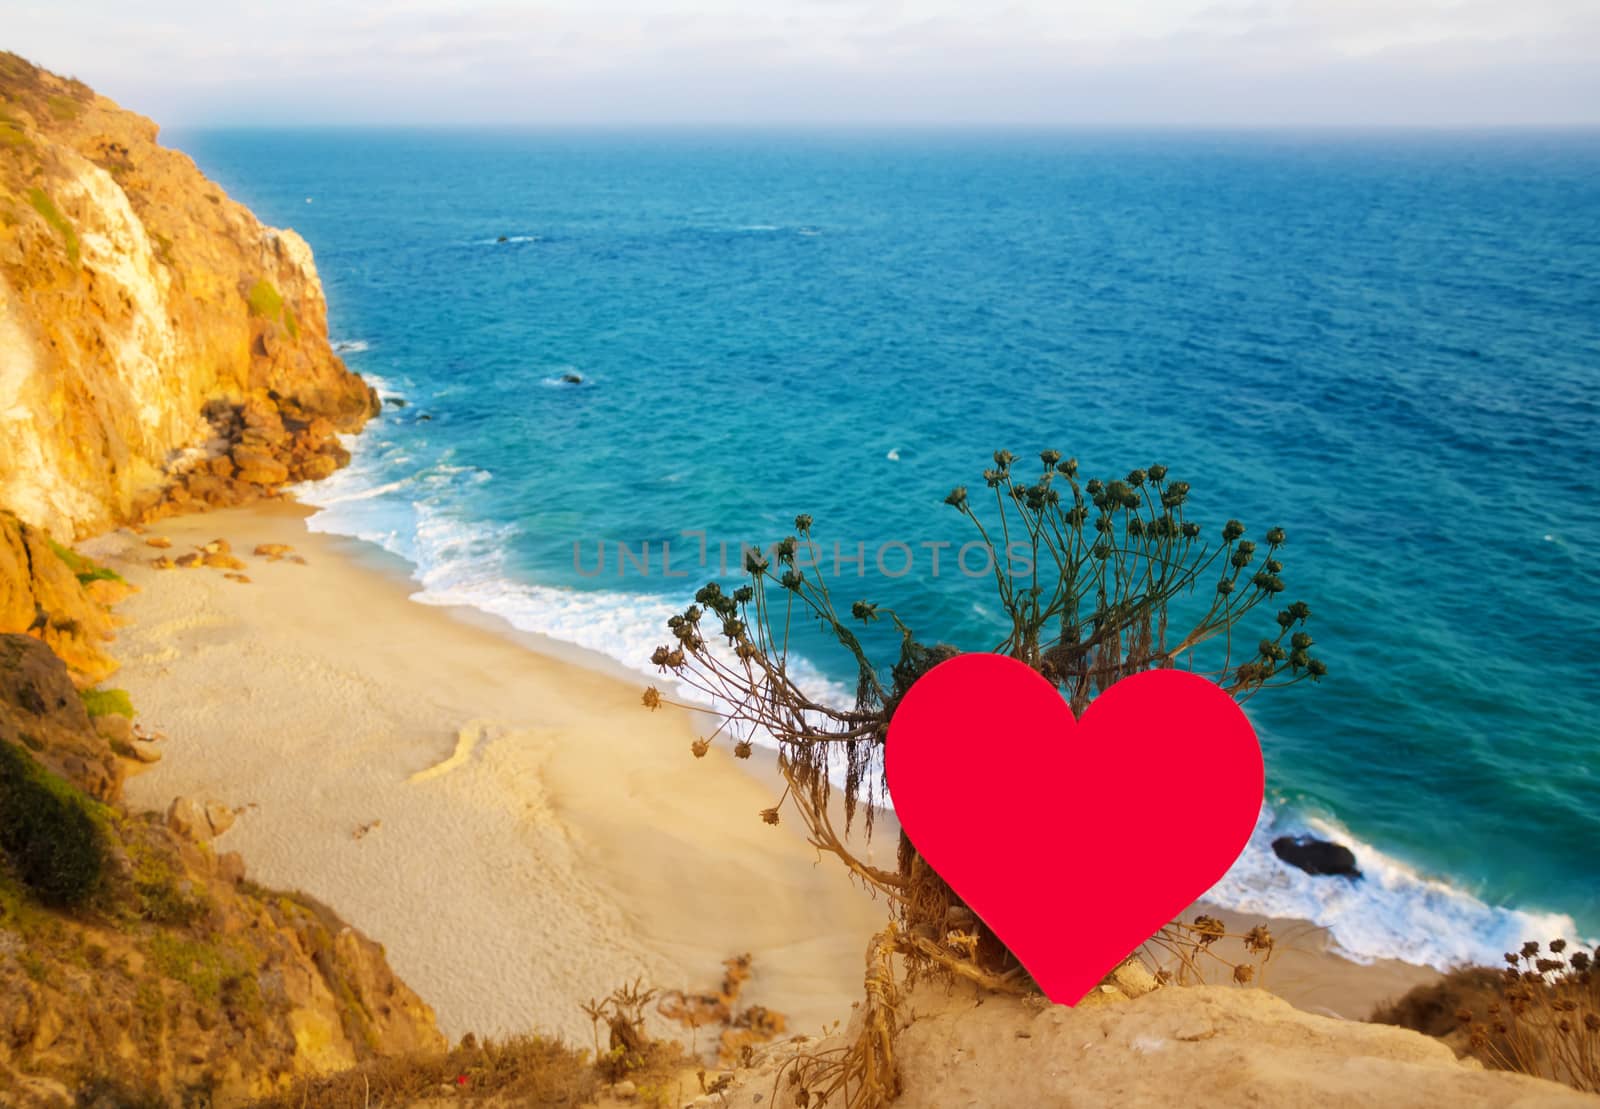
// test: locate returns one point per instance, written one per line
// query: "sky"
(829, 62)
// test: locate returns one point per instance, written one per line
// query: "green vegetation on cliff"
(86, 569)
(52, 215)
(107, 702)
(51, 833)
(265, 300)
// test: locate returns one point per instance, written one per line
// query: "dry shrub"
(627, 1044)
(1117, 581)
(525, 1070)
(1539, 1016)
(1434, 1009)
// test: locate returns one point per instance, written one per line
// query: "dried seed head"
(769, 816)
(1258, 939)
(741, 750)
(1209, 929)
(652, 698)
(700, 747)
(1243, 973)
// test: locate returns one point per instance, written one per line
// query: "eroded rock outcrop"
(1193, 1046)
(55, 595)
(175, 979)
(160, 348)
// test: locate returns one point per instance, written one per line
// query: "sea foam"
(1393, 911)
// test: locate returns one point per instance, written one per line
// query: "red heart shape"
(1074, 840)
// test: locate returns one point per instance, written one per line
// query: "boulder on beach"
(1317, 856)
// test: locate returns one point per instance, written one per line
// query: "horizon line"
(882, 126)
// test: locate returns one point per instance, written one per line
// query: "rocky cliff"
(1204, 1046)
(159, 346)
(160, 349)
(48, 591)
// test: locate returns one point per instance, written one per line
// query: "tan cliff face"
(158, 344)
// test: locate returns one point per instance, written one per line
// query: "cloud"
(833, 61)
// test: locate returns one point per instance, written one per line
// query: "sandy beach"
(533, 836)
(506, 819)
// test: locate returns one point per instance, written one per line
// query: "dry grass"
(522, 1070)
(1540, 1015)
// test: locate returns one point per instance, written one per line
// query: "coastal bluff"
(160, 347)
(160, 351)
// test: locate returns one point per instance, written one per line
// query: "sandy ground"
(535, 836)
(511, 824)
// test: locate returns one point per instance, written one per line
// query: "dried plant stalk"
(863, 1074)
(1096, 580)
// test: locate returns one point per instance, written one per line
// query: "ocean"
(1387, 344)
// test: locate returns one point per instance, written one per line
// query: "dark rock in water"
(1316, 856)
(424, 416)
(503, 239)
(572, 379)
(395, 402)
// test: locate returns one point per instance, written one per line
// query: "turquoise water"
(1390, 346)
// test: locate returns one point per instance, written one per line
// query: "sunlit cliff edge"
(158, 343)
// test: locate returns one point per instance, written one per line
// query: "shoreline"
(518, 882)
(512, 866)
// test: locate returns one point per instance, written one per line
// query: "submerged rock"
(571, 379)
(1317, 856)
